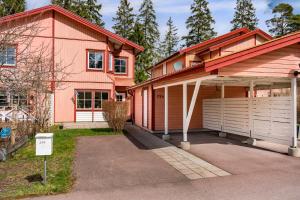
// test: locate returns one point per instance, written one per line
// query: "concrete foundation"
(185, 145)
(294, 151)
(222, 134)
(166, 137)
(251, 141)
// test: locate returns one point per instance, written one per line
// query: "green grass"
(15, 172)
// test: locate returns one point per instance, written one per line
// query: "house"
(215, 85)
(101, 63)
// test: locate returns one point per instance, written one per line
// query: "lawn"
(20, 176)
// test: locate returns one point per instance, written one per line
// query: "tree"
(9, 7)
(124, 20)
(295, 22)
(35, 74)
(171, 40)
(88, 9)
(244, 15)
(138, 37)
(199, 25)
(281, 24)
(147, 19)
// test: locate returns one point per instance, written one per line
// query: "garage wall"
(175, 104)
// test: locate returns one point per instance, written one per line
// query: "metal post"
(45, 170)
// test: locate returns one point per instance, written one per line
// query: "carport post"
(184, 111)
(294, 110)
(166, 136)
(293, 149)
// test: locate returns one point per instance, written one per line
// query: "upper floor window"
(164, 68)
(95, 60)
(8, 56)
(177, 66)
(120, 65)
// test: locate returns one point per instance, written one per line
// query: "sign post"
(44, 147)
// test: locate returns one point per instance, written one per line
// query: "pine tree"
(147, 18)
(137, 36)
(88, 9)
(171, 40)
(281, 23)
(199, 25)
(9, 7)
(244, 15)
(124, 20)
(147, 27)
(295, 22)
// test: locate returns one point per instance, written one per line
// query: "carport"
(268, 118)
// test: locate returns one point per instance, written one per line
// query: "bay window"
(8, 56)
(95, 60)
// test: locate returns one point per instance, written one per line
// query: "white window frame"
(122, 95)
(6, 55)
(88, 59)
(126, 65)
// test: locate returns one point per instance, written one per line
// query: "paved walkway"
(188, 164)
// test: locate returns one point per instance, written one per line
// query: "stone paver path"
(191, 166)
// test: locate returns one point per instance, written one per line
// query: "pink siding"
(238, 46)
(68, 41)
(138, 107)
(175, 104)
(279, 63)
(65, 101)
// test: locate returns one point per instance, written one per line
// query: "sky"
(179, 10)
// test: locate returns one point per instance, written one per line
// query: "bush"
(115, 114)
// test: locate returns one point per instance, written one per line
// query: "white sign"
(44, 144)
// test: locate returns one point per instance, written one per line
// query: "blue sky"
(179, 10)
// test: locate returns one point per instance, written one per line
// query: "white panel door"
(145, 108)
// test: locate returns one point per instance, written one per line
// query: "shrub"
(115, 114)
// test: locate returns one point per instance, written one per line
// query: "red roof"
(203, 44)
(266, 47)
(72, 16)
(239, 38)
(207, 42)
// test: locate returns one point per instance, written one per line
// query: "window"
(99, 98)
(8, 56)
(3, 98)
(177, 66)
(110, 62)
(86, 100)
(164, 68)
(120, 96)
(120, 65)
(95, 60)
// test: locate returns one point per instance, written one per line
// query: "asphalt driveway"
(115, 167)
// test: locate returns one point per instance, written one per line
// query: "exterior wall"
(158, 71)
(138, 107)
(67, 43)
(238, 46)
(170, 68)
(278, 63)
(65, 98)
(175, 104)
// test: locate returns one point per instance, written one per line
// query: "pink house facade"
(100, 63)
(226, 84)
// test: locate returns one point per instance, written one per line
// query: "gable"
(280, 63)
